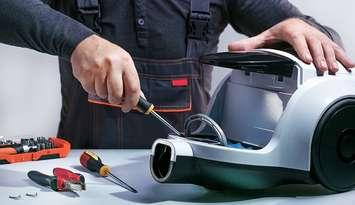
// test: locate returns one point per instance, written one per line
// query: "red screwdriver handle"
(92, 162)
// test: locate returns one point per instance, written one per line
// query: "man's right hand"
(106, 70)
(310, 44)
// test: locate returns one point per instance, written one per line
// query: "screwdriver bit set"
(29, 145)
(32, 149)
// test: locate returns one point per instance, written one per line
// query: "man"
(150, 46)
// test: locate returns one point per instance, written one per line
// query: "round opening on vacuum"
(346, 146)
(333, 147)
(161, 161)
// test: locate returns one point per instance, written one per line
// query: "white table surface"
(133, 167)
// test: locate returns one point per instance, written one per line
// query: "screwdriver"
(93, 163)
(143, 106)
(148, 108)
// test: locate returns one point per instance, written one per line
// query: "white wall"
(29, 93)
(29, 81)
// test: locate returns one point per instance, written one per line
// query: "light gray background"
(29, 81)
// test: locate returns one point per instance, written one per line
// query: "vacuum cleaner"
(273, 120)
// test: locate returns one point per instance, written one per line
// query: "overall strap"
(198, 25)
(140, 25)
(89, 13)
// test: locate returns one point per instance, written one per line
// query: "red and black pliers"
(63, 180)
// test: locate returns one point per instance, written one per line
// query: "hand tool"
(70, 176)
(93, 163)
(56, 183)
(16, 149)
(143, 106)
(30, 149)
(26, 145)
(148, 108)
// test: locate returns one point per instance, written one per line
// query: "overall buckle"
(198, 26)
(90, 14)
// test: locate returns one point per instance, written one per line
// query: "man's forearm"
(33, 24)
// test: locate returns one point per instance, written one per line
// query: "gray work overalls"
(165, 39)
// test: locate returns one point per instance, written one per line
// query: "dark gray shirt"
(33, 24)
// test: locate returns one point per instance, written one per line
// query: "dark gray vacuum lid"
(257, 61)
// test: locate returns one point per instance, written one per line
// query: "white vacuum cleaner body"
(274, 120)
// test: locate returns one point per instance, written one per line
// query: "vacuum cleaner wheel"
(333, 147)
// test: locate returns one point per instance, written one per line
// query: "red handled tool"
(93, 163)
(70, 176)
(63, 180)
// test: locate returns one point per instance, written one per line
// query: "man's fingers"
(130, 101)
(114, 87)
(330, 57)
(101, 85)
(85, 78)
(88, 84)
(310, 44)
(246, 44)
(100, 66)
(301, 48)
(342, 57)
(316, 49)
(131, 88)
(89, 87)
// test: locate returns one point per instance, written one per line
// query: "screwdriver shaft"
(165, 122)
(123, 184)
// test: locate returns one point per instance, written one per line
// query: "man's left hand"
(310, 44)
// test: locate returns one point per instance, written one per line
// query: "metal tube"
(165, 123)
(123, 184)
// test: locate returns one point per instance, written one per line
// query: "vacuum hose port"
(162, 165)
(172, 161)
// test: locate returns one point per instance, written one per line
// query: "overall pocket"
(168, 83)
